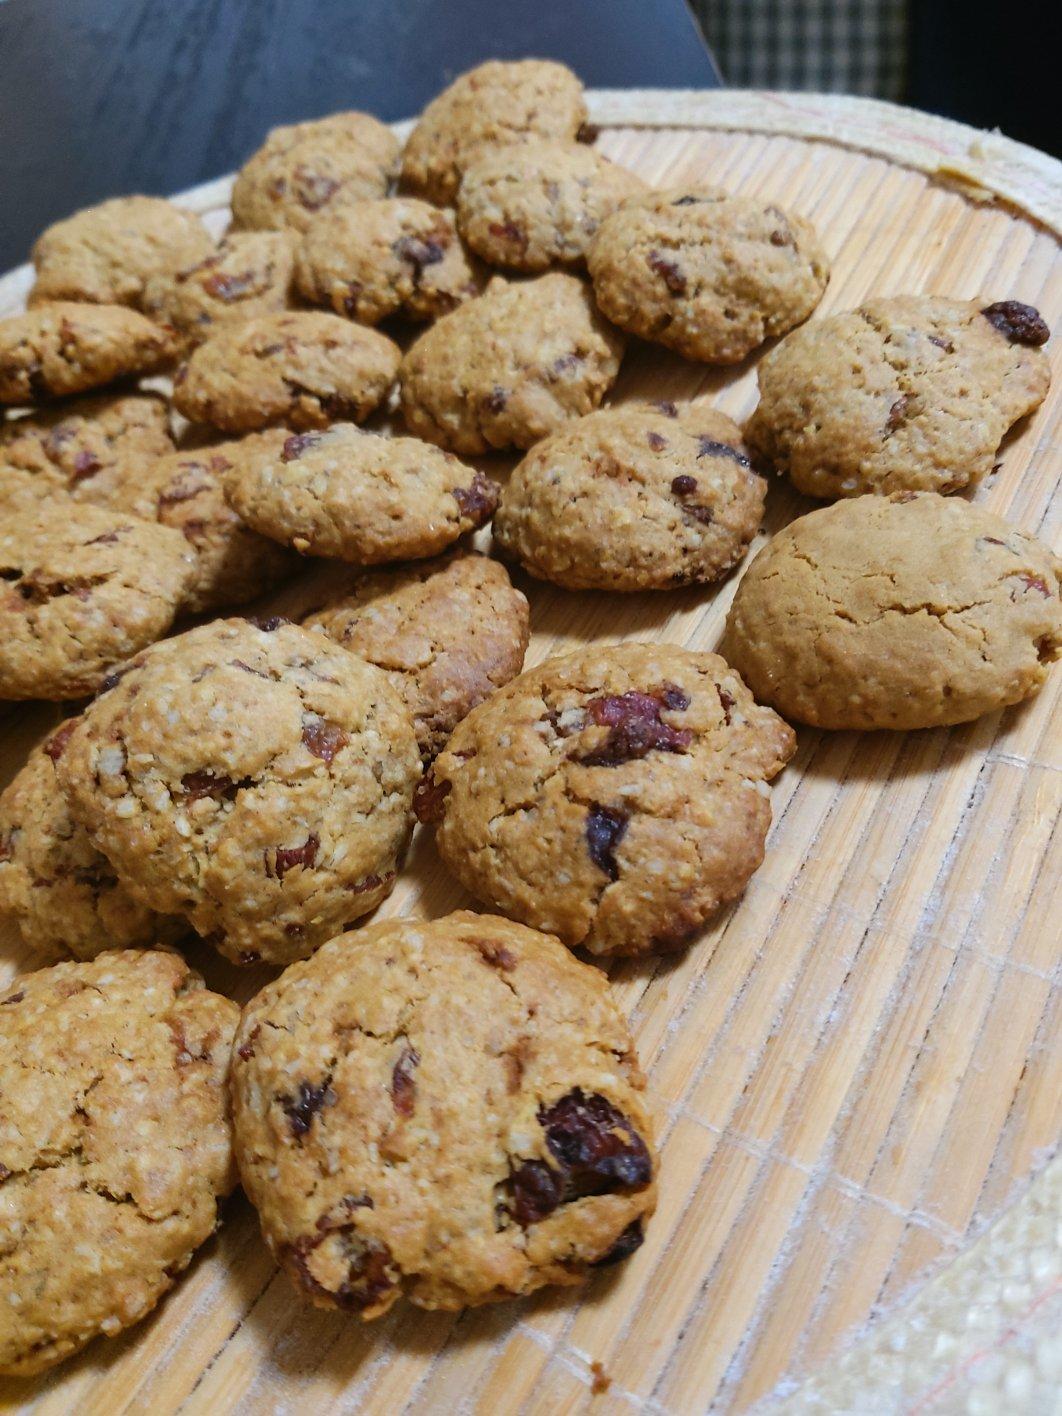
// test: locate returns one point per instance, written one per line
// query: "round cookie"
(908, 611)
(303, 167)
(88, 449)
(447, 632)
(616, 796)
(106, 254)
(186, 491)
(250, 273)
(64, 894)
(496, 103)
(908, 394)
(303, 368)
(511, 366)
(374, 259)
(448, 1110)
(707, 274)
(115, 1145)
(537, 204)
(361, 497)
(81, 592)
(60, 348)
(637, 497)
(255, 779)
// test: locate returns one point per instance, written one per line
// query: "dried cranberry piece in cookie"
(635, 726)
(1021, 324)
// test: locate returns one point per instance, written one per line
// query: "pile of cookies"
(449, 1111)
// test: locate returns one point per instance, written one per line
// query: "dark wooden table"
(100, 97)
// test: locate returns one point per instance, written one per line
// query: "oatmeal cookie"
(61, 348)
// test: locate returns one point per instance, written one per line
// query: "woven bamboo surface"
(856, 1067)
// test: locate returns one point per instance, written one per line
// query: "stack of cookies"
(450, 1111)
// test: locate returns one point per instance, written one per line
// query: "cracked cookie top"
(302, 168)
(909, 611)
(511, 366)
(361, 497)
(255, 778)
(63, 348)
(447, 632)
(79, 594)
(115, 1145)
(303, 368)
(909, 394)
(705, 273)
(636, 497)
(616, 797)
(448, 1110)
(496, 104)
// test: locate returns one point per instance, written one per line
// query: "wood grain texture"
(853, 1069)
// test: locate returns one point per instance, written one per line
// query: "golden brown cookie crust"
(705, 273)
(510, 367)
(256, 780)
(908, 394)
(637, 497)
(450, 1110)
(447, 632)
(62, 348)
(909, 611)
(616, 797)
(116, 1145)
(302, 368)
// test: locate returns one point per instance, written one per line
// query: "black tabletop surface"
(101, 97)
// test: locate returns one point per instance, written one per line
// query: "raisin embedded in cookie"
(250, 273)
(371, 260)
(304, 167)
(255, 779)
(62, 348)
(302, 368)
(616, 797)
(707, 274)
(496, 103)
(88, 449)
(637, 497)
(909, 394)
(233, 563)
(450, 1111)
(360, 496)
(448, 632)
(106, 254)
(537, 204)
(909, 611)
(510, 367)
(79, 593)
(115, 1145)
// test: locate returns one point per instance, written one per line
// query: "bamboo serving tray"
(853, 1069)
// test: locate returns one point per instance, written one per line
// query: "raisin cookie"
(510, 367)
(496, 103)
(908, 611)
(250, 273)
(450, 1110)
(707, 274)
(303, 368)
(255, 779)
(616, 797)
(360, 496)
(89, 449)
(233, 564)
(79, 593)
(533, 205)
(638, 497)
(115, 1145)
(304, 167)
(909, 394)
(107, 254)
(447, 632)
(371, 260)
(60, 348)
